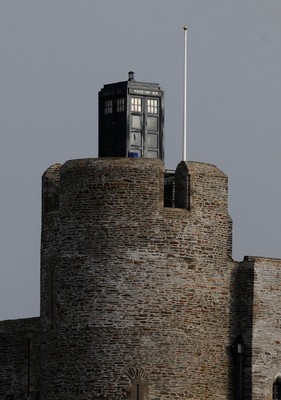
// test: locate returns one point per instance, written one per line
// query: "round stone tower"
(135, 296)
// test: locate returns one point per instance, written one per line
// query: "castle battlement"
(197, 185)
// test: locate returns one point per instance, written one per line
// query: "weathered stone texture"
(136, 284)
(19, 357)
(262, 326)
(138, 300)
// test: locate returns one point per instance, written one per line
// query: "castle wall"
(139, 300)
(135, 296)
(262, 326)
(19, 358)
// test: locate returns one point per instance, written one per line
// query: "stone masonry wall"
(19, 358)
(139, 301)
(262, 326)
(135, 296)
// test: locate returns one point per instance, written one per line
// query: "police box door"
(144, 138)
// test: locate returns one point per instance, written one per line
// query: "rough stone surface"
(136, 284)
(19, 357)
(260, 322)
(141, 301)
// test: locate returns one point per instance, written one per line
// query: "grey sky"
(57, 54)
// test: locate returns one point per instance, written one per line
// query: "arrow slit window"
(276, 390)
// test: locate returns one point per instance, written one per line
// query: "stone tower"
(135, 296)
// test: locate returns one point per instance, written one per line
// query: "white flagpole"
(184, 157)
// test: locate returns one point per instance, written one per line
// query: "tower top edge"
(203, 168)
(88, 163)
(112, 162)
(52, 169)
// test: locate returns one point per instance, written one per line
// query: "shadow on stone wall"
(241, 323)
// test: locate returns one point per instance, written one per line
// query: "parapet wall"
(19, 360)
(134, 184)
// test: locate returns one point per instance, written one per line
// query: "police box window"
(108, 106)
(120, 104)
(136, 104)
(152, 106)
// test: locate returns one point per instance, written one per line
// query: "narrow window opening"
(52, 299)
(37, 395)
(276, 389)
(169, 189)
(176, 192)
(52, 310)
(182, 187)
(139, 389)
(28, 365)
